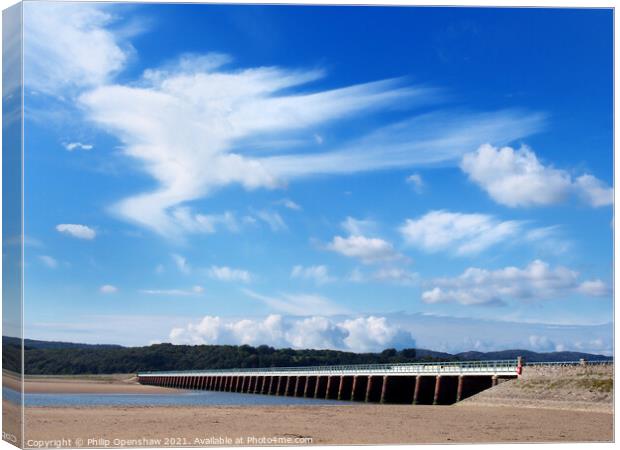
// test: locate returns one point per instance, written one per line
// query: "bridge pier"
(358, 391)
(373, 389)
(290, 386)
(320, 389)
(344, 389)
(310, 386)
(437, 394)
(333, 384)
(280, 385)
(300, 384)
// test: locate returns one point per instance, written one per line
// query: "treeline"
(74, 361)
(60, 358)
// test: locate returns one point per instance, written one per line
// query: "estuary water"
(189, 398)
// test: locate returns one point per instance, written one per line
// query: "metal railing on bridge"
(446, 367)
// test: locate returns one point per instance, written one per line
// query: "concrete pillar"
(385, 389)
(333, 387)
(416, 390)
(494, 380)
(300, 385)
(288, 387)
(344, 388)
(259, 384)
(369, 386)
(459, 388)
(437, 395)
(359, 388)
(320, 387)
(279, 386)
(310, 386)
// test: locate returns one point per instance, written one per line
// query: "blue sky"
(329, 177)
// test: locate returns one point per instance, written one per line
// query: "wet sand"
(104, 384)
(352, 424)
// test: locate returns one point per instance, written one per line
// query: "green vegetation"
(60, 358)
(72, 361)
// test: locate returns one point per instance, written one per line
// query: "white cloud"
(367, 250)
(319, 274)
(108, 289)
(67, 46)
(517, 178)
(594, 288)
(224, 273)
(214, 108)
(290, 204)
(77, 146)
(415, 180)
(463, 233)
(298, 304)
(76, 230)
(536, 281)
(48, 261)
(370, 333)
(195, 290)
(593, 191)
(318, 332)
(181, 263)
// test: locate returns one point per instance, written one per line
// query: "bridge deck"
(501, 368)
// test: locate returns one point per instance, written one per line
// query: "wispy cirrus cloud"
(464, 233)
(187, 123)
(298, 304)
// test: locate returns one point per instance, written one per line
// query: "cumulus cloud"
(108, 289)
(76, 230)
(517, 178)
(318, 274)
(77, 146)
(224, 273)
(298, 304)
(49, 261)
(356, 334)
(463, 233)
(536, 281)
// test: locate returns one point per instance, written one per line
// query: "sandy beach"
(352, 423)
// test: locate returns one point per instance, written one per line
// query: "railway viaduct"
(437, 383)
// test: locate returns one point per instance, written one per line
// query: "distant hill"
(530, 356)
(32, 343)
(66, 358)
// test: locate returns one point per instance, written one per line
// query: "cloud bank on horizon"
(320, 202)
